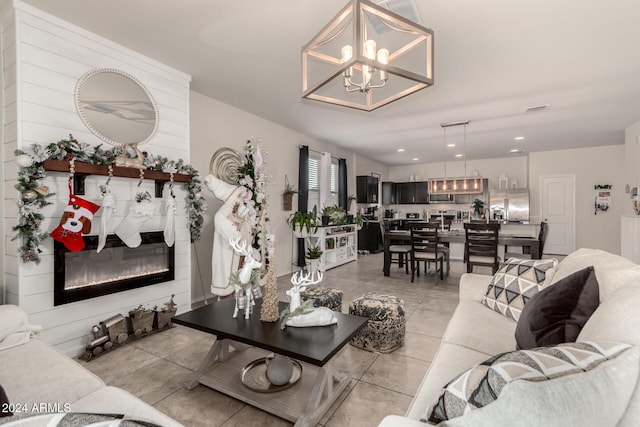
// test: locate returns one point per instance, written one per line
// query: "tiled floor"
(155, 368)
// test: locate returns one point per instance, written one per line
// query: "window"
(315, 183)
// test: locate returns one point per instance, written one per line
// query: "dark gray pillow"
(557, 313)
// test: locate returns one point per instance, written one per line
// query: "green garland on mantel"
(34, 195)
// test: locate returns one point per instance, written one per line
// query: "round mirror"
(116, 107)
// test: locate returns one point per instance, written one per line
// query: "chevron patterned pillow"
(517, 281)
(481, 385)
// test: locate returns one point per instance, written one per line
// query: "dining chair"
(424, 247)
(444, 226)
(403, 252)
(542, 237)
(481, 245)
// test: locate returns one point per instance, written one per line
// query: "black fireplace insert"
(88, 274)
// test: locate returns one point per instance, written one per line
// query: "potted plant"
(313, 257)
(478, 205)
(333, 214)
(359, 221)
(303, 223)
(287, 195)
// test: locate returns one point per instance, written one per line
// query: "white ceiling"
(492, 60)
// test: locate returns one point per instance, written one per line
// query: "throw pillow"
(482, 384)
(81, 419)
(557, 313)
(5, 407)
(515, 283)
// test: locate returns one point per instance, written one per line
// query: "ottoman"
(324, 297)
(385, 329)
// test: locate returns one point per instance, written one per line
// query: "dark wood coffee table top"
(314, 345)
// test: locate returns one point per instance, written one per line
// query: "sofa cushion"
(484, 384)
(515, 282)
(118, 401)
(475, 326)
(557, 313)
(14, 327)
(36, 373)
(450, 360)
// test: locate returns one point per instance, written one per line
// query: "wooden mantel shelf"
(82, 170)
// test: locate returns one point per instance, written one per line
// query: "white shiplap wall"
(50, 56)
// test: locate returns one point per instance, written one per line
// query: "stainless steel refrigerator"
(509, 204)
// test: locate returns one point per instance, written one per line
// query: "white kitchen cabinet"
(630, 238)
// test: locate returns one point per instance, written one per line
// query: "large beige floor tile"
(200, 407)
(155, 381)
(366, 405)
(354, 361)
(169, 341)
(254, 417)
(110, 366)
(428, 323)
(397, 372)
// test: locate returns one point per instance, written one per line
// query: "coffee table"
(320, 384)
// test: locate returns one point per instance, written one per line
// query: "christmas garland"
(34, 195)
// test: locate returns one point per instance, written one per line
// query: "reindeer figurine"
(300, 283)
(243, 287)
(295, 316)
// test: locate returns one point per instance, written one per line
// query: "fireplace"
(88, 274)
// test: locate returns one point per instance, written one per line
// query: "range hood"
(456, 185)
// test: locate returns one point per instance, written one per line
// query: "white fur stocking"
(129, 229)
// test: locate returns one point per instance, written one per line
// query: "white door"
(558, 210)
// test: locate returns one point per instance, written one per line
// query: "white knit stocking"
(129, 229)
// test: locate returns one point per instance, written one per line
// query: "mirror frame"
(86, 76)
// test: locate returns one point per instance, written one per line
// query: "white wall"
(40, 76)
(591, 166)
(632, 160)
(215, 125)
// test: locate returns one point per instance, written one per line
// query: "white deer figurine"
(319, 316)
(300, 283)
(244, 277)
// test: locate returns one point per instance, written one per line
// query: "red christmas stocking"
(76, 221)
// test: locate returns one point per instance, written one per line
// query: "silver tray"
(254, 377)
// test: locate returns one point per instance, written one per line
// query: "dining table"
(457, 236)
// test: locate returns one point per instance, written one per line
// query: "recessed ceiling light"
(451, 145)
(515, 150)
(415, 158)
(400, 150)
(519, 138)
(458, 155)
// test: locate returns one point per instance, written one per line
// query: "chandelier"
(367, 57)
(457, 185)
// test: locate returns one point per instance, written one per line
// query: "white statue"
(298, 314)
(232, 220)
(244, 288)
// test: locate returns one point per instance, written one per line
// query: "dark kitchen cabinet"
(370, 237)
(389, 193)
(413, 192)
(366, 189)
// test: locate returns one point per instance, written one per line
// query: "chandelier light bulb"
(346, 53)
(370, 49)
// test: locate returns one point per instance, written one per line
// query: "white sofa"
(476, 332)
(33, 373)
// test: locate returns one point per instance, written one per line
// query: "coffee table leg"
(326, 389)
(219, 352)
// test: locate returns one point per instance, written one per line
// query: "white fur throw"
(14, 327)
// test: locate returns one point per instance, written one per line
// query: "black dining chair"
(424, 248)
(481, 245)
(542, 237)
(402, 252)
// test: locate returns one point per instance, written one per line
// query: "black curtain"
(342, 183)
(303, 194)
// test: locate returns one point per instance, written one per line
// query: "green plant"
(314, 252)
(303, 221)
(288, 188)
(478, 205)
(358, 220)
(336, 214)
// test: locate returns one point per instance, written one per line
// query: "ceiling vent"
(537, 108)
(405, 8)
